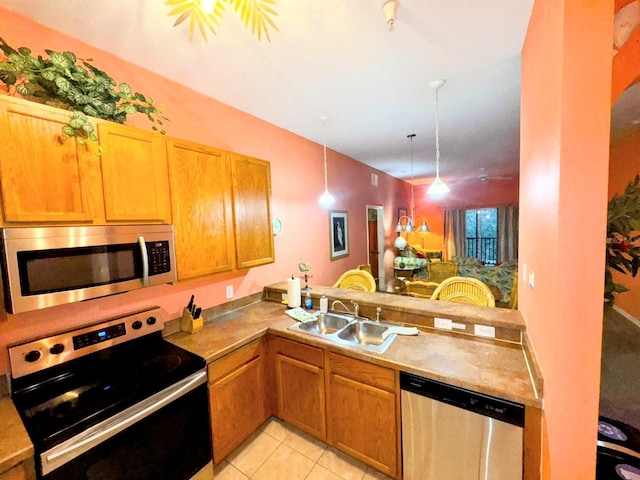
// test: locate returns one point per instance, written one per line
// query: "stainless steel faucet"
(356, 308)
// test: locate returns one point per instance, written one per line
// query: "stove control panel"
(43, 353)
(100, 335)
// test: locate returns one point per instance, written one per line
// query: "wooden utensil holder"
(189, 324)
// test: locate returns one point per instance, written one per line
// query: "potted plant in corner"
(83, 89)
(623, 231)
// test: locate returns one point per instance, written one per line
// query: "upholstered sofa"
(499, 278)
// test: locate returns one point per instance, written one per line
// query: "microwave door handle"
(145, 261)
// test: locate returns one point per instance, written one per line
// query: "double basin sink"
(348, 331)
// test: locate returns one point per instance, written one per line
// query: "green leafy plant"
(79, 87)
(623, 232)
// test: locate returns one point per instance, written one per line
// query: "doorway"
(375, 244)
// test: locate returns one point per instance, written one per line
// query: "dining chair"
(419, 288)
(464, 290)
(356, 280)
(439, 271)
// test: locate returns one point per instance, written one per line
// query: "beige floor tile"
(226, 471)
(305, 444)
(253, 452)
(285, 463)
(373, 474)
(276, 428)
(321, 473)
(343, 465)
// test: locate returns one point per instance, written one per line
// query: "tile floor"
(278, 450)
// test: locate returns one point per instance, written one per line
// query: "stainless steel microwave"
(43, 267)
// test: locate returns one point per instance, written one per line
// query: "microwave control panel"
(159, 257)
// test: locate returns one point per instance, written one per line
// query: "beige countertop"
(493, 367)
(15, 445)
(498, 368)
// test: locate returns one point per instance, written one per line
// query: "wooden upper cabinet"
(135, 176)
(252, 211)
(200, 179)
(44, 174)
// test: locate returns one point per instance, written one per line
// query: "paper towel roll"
(293, 292)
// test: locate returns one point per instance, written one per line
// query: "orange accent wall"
(565, 117)
(474, 194)
(297, 183)
(624, 165)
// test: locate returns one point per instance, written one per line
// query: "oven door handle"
(145, 261)
(76, 446)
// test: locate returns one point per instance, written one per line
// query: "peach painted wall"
(565, 117)
(474, 194)
(297, 182)
(624, 165)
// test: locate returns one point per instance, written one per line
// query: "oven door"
(43, 267)
(171, 443)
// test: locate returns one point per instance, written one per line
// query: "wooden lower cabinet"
(22, 471)
(300, 386)
(237, 397)
(363, 415)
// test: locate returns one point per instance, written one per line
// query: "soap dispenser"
(308, 302)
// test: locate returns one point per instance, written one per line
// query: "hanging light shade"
(326, 199)
(438, 187)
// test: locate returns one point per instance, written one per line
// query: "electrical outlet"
(229, 291)
(444, 323)
(484, 331)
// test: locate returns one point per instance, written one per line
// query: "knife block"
(189, 324)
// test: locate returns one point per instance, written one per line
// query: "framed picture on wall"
(339, 234)
(402, 212)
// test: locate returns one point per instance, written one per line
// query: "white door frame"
(382, 282)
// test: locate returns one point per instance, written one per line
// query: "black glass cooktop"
(60, 402)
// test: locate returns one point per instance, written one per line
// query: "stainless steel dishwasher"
(449, 433)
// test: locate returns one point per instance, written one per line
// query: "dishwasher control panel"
(500, 409)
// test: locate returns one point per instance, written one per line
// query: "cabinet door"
(301, 399)
(200, 179)
(252, 211)
(44, 173)
(237, 403)
(135, 177)
(363, 422)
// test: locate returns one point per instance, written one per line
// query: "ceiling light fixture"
(206, 15)
(409, 226)
(389, 8)
(326, 199)
(438, 187)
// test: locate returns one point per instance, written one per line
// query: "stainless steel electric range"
(113, 400)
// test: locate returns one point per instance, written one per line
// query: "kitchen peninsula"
(251, 338)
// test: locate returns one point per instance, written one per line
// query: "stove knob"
(137, 325)
(57, 349)
(32, 356)
(151, 321)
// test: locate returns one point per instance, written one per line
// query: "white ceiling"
(337, 58)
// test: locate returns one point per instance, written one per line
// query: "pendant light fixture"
(409, 227)
(326, 199)
(389, 8)
(438, 187)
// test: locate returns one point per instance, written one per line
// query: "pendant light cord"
(411, 149)
(324, 147)
(437, 136)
